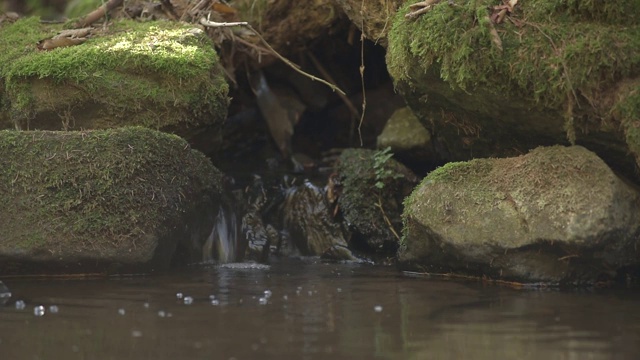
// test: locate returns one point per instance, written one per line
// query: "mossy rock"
(105, 200)
(407, 138)
(373, 187)
(161, 75)
(556, 215)
(556, 80)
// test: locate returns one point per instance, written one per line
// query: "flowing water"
(306, 309)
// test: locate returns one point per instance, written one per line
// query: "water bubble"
(136, 333)
(179, 295)
(377, 308)
(285, 297)
(267, 293)
(20, 305)
(310, 292)
(169, 314)
(53, 309)
(146, 305)
(212, 297)
(339, 290)
(121, 311)
(188, 300)
(215, 302)
(38, 310)
(162, 313)
(263, 301)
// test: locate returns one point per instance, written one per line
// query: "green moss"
(627, 110)
(544, 61)
(78, 188)
(471, 172)
(132, 67)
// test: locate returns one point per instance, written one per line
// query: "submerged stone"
(555, 215)
(113, 200)
(162, 75)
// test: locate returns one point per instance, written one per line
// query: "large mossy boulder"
(371, 187)
(556, 215)
(109, 200)
(162, 75)
(553, 72)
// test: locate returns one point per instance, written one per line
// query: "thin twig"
(210, 23)
(364, 93)
(386, 219)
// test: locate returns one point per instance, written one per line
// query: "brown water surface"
(305, 309)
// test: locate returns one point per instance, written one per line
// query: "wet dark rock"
(116, 200)
(261, 236)
(309, 221)
(557, 215)
(339, 253)
(372, 187)
(284, 220)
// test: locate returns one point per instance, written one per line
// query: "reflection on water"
(310, 310)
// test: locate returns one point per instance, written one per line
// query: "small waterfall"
(224, 243)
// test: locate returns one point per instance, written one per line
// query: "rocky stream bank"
(153, 142)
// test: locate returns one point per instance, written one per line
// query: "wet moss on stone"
(628, 110)
(98, 194)
(587, 46)
(362, 203)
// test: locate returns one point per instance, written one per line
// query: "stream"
(302, 308)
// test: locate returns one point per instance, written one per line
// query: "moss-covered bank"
(161, 75)
(556, 80)
(79, 201)
(554, 48)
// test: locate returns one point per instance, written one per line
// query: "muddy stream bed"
(303, 308)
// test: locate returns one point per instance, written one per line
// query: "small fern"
(383, 172)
